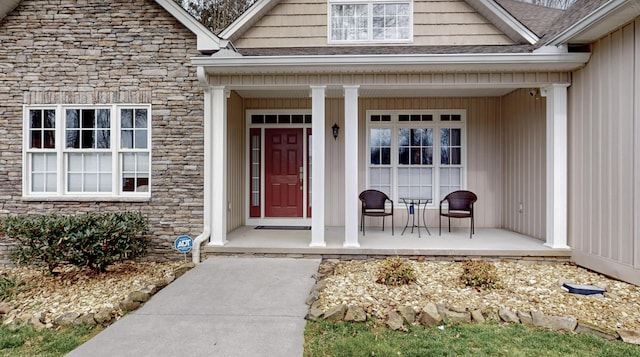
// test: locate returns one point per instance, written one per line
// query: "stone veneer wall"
(107, 52)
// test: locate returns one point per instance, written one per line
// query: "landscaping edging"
(104, 316)
(431, 314)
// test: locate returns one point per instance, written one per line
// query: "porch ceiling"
(378, 92)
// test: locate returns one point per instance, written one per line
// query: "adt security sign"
(183, 244)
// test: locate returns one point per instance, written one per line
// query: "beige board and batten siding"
(604, 157)
(236, 168)
(484, 166)
(524, 163)
(303, 23)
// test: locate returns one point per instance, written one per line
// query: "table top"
(416, 199)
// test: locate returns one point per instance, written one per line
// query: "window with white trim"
(80, 150)
(419, 154)
(370, 20)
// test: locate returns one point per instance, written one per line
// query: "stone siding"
(107, 52)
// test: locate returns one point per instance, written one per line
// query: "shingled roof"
(539, 19)
(573, 14)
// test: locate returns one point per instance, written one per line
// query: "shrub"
(42, 240)
(95, 240)
(103, 239)
(395, 271)
(10, 286)
(480, 274)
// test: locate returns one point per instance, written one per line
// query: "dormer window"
(370, 21)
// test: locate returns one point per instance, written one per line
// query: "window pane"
(35, 118)
(141, 139)
(36, 139)
(143, 162)
(90, 182)
(74, 182)
(450, 180)
(49, 139)
(126, 118)
(73, 139)
(87, 139)
(128, 162)
(455, 137)
(103, 139)
(103, 118)
(126, 139)
(90, 163)
(386, 156)
(105, 182)
(38, 183)
(87, 119)
(141, 118)
(73, 118)
(75, 162)
(104, 162)
(403, 156)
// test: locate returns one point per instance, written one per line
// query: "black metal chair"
(460, 205)
(374, 205)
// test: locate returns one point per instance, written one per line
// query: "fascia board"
(507, 23)
(370, 63)
(207, 41)
(592, 19)
(247, 19)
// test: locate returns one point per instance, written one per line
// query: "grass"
(27, 341)
(338, 339)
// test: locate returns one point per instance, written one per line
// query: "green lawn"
(26, 341)
(324, 338)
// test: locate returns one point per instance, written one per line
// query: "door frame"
(305, 128)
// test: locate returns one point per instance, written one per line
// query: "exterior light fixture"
(336, 130)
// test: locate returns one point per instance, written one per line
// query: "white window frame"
(62, 153)
(369, 4)
(394, 124)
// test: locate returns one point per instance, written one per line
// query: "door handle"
(301, 175)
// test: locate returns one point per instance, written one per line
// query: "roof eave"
(521, 62)
(600, 22)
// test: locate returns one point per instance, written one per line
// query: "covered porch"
(490, 243)
(512, 152)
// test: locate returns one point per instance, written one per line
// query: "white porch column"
(218, 170)
(317, 170)
(351, 202)
(557, 169)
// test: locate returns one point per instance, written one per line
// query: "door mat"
(285, 228)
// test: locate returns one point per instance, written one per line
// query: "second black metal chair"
(374, 205)
(460, 205)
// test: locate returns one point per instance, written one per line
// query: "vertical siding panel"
(523, 119)
(604, 171)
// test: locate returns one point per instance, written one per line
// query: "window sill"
(85, 199)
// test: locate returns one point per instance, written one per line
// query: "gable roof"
(588, 20)
(497, 15)
(207, 41)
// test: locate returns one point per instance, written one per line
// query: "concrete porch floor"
(486, 242)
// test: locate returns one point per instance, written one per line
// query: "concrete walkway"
(225, 306)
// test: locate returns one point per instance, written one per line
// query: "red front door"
(283, 165)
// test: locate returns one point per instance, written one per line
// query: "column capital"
(544, 91)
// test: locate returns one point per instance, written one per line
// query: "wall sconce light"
(336, 130)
